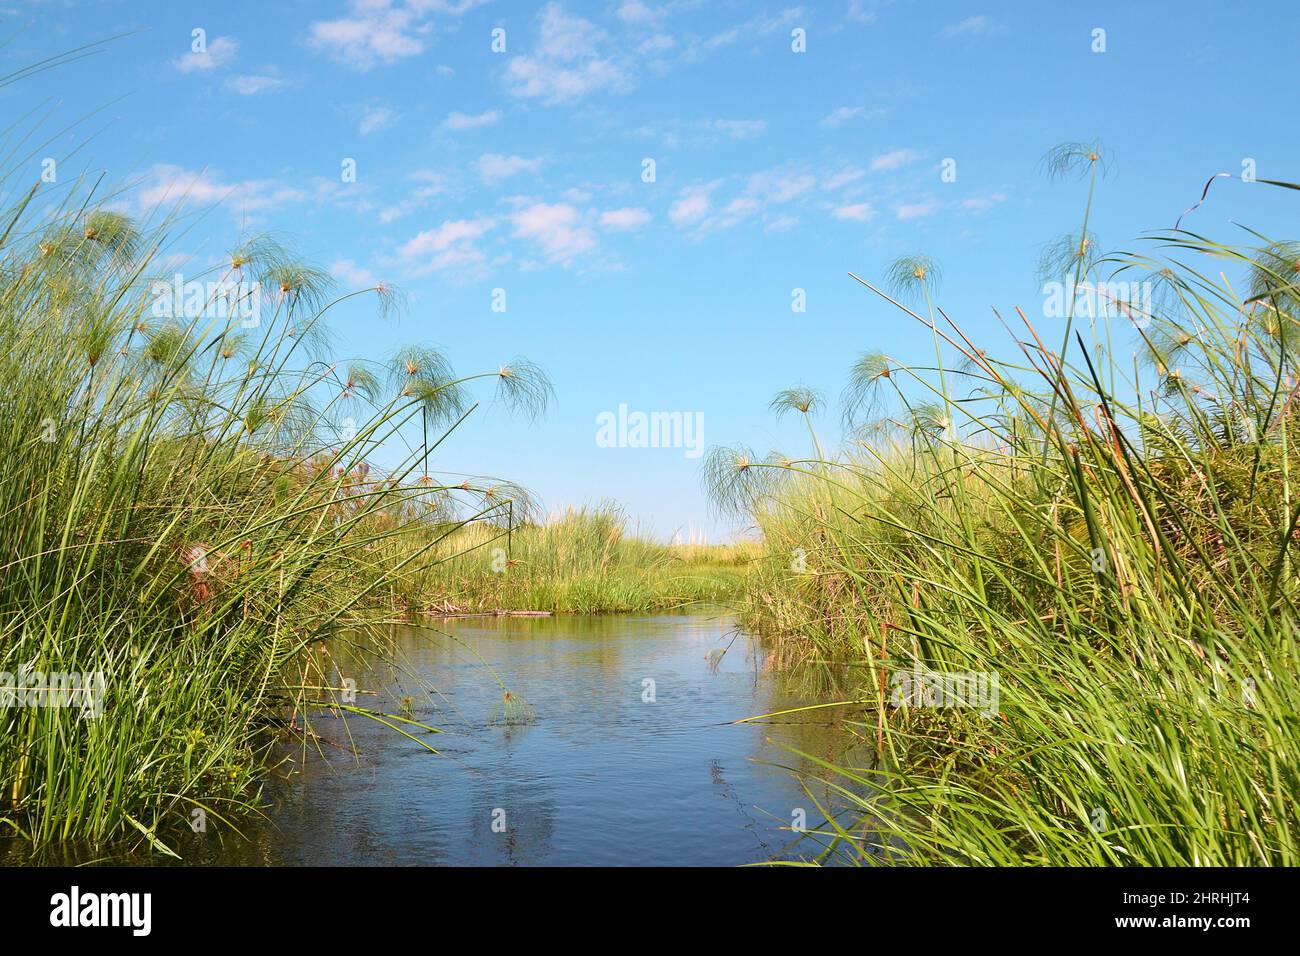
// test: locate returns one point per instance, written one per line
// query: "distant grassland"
(583, 561)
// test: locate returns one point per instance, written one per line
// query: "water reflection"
(631, 758)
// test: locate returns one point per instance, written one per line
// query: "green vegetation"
(187, 508)
(580, 562)
(190, 506)
(1110, 536)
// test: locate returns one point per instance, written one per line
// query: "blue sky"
(775, 170)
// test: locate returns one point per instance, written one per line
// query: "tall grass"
(582, 560)
(189, 504)
(1108, 531)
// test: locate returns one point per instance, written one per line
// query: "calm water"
(601, 776)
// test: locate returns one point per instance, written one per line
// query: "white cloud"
(459, 121)
(219, 52)
(381, 31)
(842, 177)
(493, 167)
(739, 208)
(698, 208)
(571, 60)
(557, 229)
(374, 33)
(693, 205)
(978, 204)
(432, 184)
(781, 184)
(757, 26)
(452, 245)
(916, 210)
(973, 26)
(348, 273)
(843, 114)
(565, 37)
(531, 77)
(250, 84)
(740, 129)
(165, 186)
(376, 118)
(860, 12)
(857, 212)
(659, 43)
(629, 217)
(887, 162)
(634, 11)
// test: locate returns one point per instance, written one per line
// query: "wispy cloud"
(698, 208)
(916, 210)
(494, 167)
(736, 211)
(558, 229)
(978, 204)
(861, 11)
(842, 177)
(656, 45)
(376, 118)
(376, 32)
(692, 205)
(781, 184)
(430, 185)
(371, 35)
(740, 129)
(629, 217)
(166, 185)
(843, 114)
(349, 274)
(634, 11)
(887, 162)
(855, 212)
(761, 25)
(973, 26)
(458, 121)
(452, 245)
(251, 84)
(218, 52)
(571, 59)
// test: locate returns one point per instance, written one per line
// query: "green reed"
(189, 505)
(1109, 537)
(582, 560)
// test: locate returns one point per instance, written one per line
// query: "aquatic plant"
(577, 560)
(192, 499)
(1103, 548)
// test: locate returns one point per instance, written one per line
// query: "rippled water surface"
(602, 775)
